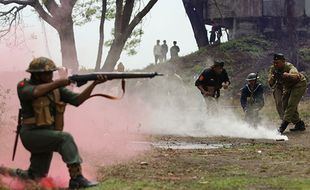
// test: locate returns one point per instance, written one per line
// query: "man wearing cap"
(43, 102)
(294, 86)
(252, 99)
(210, 81)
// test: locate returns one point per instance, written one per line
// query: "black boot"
(77, 179)
(299, 126)
(283, 126)
(81, 182)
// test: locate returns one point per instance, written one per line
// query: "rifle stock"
(84, 78)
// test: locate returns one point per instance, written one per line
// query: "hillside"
(241, 56)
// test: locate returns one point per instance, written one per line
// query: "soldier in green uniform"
(294, 86)
(43, 102)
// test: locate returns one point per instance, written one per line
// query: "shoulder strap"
(109, 96)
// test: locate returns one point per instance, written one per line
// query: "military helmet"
(252, 76)
(41, 64)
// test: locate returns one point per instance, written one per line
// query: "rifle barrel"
(83, 78)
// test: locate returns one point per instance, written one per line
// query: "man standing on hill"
(174, 50)
(157, 52)
(294, 86)
(210, 81)
(164, 50)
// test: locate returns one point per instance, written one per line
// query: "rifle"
(84, 78)
(19, 125)
(278, 75)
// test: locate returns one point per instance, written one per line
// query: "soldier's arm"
(203, 91)
(260, 97)
(293, 74)
(85, 94)
(41, 89)
(243, 99)
(226, 81)
(271, 78)
(199, 83)
(226, 78)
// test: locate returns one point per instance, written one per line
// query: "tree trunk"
(123, 30)
(68, 48)
(113, 55)
(196, 20)
(291, 30)
(101, 35)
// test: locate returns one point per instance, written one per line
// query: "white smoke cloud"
(176, 109)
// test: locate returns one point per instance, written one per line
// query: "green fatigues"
(293, 91)
(277, 95)
(42, 141)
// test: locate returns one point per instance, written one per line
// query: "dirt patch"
(255, 161)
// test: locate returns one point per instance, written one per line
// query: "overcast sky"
(166, 21)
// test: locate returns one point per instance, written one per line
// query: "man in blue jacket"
(252, 99)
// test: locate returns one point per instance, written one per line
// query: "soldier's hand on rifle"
(62, 72)
(286, 75)
(100, 79)
(225, 85)
(205, 93)
(62, 82)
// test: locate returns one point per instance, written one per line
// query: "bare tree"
(59, 16)
(101, 34)
(123, 28)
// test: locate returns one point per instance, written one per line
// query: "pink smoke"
(103, 129)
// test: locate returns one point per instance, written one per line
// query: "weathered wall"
(253, 8)
(299, 8)
(273, 8)
(307, 7)
(235, 8)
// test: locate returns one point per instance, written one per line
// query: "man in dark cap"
(211, 80)
(294, 86)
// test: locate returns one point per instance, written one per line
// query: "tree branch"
(128, 8)
(10, 18)
(51, 6)
(43, 14)
(20, 2)
(139, 17)
(67, 5)
(118, 17)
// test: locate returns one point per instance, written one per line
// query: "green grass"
(209, 182)
(258, 183)
(252, 44)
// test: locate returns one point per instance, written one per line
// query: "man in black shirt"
(211, 80)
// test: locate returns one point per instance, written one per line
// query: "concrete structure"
(269, 17)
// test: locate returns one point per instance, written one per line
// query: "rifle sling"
(109, 96)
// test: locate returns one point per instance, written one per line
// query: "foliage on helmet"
(41, 64)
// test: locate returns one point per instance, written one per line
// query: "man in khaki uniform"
(294, 86)
(43, 102)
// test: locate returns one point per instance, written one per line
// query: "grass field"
(247, 164)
